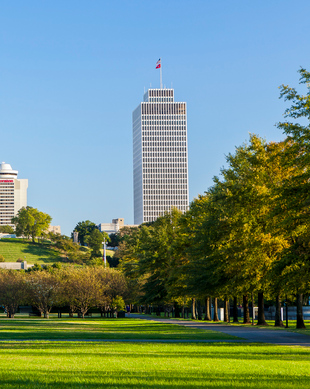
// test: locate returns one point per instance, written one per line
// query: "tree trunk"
(176, 310)
(246, 312)
(226, 310)
(300, 318)
(278, 322)
(207, 305)
(215, 311)
(261, 313)
(199, 310)
(235, 310)
(193, 309)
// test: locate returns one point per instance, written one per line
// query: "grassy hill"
(13, 249)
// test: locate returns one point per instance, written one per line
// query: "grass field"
(33, 253)
(118, 365)
(28, 251)
(89, 328)
(78, 364)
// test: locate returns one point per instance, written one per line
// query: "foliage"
(43, 290)
(2, 259)
(31, 222)
(7, 229)
(94, 241)
(84, 229)
(118, 303)
(12, 290)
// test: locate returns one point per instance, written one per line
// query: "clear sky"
(72, 72)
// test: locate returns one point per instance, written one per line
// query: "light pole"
(104, 253)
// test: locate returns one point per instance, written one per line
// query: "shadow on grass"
(159, 379)
(220, 351)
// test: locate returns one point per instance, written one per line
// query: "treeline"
(76, 288)
(248, 235)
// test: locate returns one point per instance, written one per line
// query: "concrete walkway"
(248, 334)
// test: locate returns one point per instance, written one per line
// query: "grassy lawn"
(12, 250)
(118, 365)
(93, 328)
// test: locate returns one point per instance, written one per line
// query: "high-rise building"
(160, 169)
(13, 193)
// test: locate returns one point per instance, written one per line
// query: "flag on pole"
(158, 64)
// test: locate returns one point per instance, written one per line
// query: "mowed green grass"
(90, 328)
(134, 365)
(28, 251)
(13, 249)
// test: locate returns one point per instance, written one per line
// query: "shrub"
(20, 260)
(2, 259)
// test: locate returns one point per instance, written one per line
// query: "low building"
(54, 229)
(15, 265)
(114, 227)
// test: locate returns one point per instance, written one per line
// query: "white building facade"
(13, 193)
(160, 162)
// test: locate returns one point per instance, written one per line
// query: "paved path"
(248, 334)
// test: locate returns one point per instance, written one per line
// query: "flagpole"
(161, 76)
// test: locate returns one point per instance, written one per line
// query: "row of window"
(163, 108)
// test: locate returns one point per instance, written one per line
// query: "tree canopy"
(30, 222)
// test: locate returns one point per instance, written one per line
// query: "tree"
(115, 240)
(31, 222)
(94, 241)
(7, 229)
(84, 228)
(43, 289)
(294, 194)
(82, 287)
(12, 290)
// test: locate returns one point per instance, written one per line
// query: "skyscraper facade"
(13, 193)
(159, 155)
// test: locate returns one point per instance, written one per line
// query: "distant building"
(114, 227)
(160, 172)
(111, 228)
(54, 229)
(13, 193)
(15, 265)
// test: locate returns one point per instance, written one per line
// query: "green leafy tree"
(32, 223)
(12, 290)
(94, 241)
(294, 194)
(84, 229)
(7, 229)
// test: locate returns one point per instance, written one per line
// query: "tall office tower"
(13, 193)
(159, 155)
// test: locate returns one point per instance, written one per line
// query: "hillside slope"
(13, 249)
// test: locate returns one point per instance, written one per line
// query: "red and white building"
(13, 193)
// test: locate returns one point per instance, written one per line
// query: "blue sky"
(72, 72)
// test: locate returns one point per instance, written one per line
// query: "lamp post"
(104, 253)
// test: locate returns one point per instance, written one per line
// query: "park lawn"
(95, 365)
(13, 249)
(91, 328)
